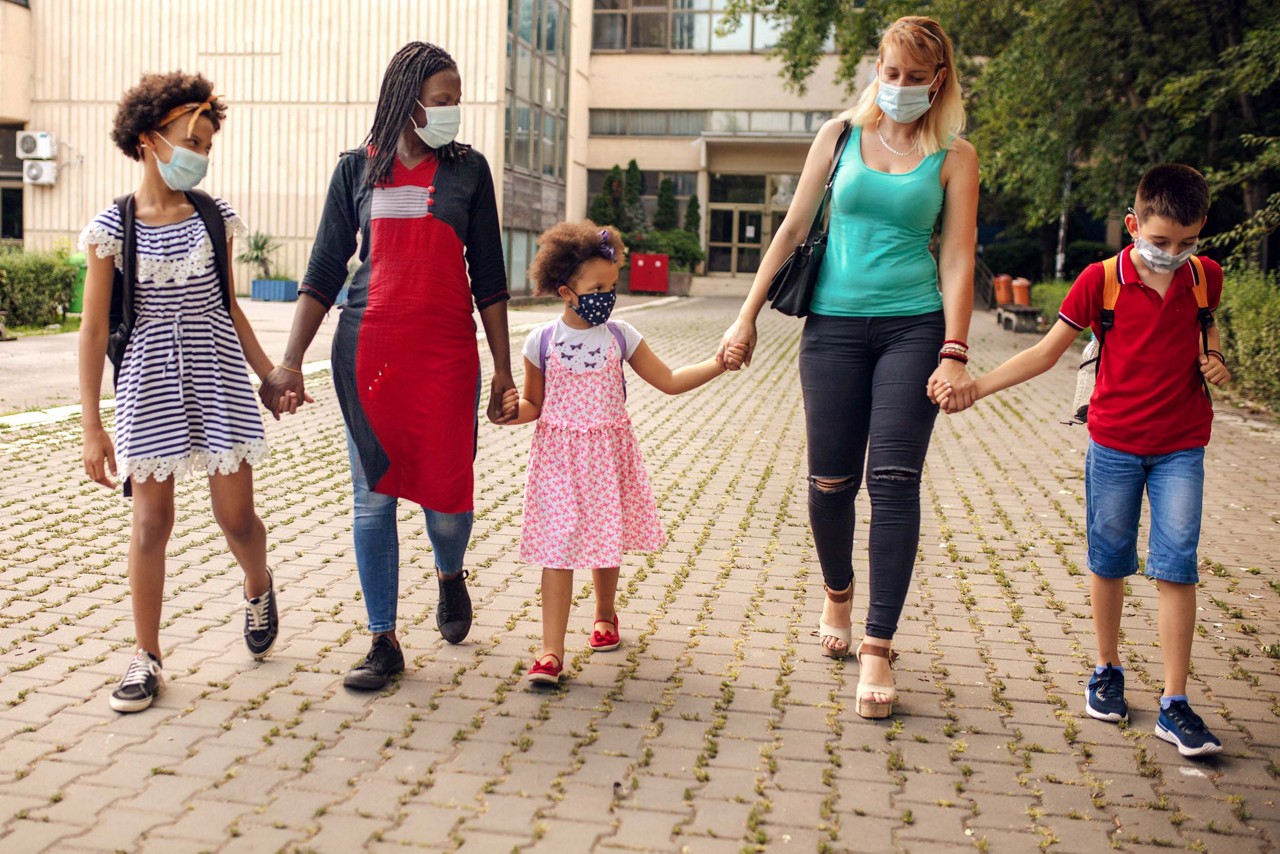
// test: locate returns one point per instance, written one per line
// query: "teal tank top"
(878, 262)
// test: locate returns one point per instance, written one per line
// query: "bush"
(682, 248)
(1082, 253)
(1249, 322)
(1048, 297)
(35, 287)
(1017, 257)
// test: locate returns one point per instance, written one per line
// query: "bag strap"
(622, 351)
(544, 346)
(816, 226)
(207, 207)
(128, 261)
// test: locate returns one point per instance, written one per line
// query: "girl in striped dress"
(183, 398)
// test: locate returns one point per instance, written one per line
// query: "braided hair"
(401, 86)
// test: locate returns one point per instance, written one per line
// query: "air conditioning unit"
(37, 145)
(44, 172)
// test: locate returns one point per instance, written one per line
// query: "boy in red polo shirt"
(1149, 421)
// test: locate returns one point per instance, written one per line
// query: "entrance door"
(736, 238)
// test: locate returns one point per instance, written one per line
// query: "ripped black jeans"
(864, 399)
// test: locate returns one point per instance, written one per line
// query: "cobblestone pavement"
(717, 726)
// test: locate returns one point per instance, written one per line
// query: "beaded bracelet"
(959, 357)
(956, 341)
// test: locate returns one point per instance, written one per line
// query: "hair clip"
(606, 248)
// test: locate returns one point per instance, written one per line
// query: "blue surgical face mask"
(595, 308)
(905, 104)
(441, 127)
(185, 168)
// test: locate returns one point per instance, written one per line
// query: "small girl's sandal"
(866, 706)
(844, 634)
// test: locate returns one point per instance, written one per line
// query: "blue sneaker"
(1104, 698)
(1183, 727)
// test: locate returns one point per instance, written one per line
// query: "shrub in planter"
(35, 287)
(682, 248)
(277, 287)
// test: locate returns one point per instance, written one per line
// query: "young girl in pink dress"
(587, 499)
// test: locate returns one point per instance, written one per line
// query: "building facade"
(555, 92)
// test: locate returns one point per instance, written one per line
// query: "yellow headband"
(194, 108)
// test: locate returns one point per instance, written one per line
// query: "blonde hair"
(922, 40)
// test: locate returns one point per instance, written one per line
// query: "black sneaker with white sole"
(141, 683)
(1104, 698)
(261, 621)
(1180, 726)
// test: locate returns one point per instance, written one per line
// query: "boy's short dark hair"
(143, 107)
(1175, 192)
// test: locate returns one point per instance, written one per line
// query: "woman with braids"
(405, 363)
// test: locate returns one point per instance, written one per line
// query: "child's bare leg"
(152, 525)
(557, 595)
(1107, 598)
(605, 582)
(232, 496)
(1177, 628)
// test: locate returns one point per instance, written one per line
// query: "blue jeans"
(1113, 486)
(378, 545)
(865, 407)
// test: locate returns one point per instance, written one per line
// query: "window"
(679, 26)
(647, 122)
(538, 86)
(684, 185)
(11, 213)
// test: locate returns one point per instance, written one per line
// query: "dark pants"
(864, 398)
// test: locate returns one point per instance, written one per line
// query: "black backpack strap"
(211, 215)
(122, 306)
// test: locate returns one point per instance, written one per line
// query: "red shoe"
(605, 641)
(546, 672)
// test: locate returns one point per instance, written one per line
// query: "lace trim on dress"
(178, 269)
(208, 462)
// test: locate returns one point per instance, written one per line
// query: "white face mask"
(1158, 260)
(905, 104)
(441, 127)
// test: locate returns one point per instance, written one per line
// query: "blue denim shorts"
(1114, 482)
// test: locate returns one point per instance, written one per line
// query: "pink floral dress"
(587, 499)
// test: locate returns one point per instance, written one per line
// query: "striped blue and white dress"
(183, 400)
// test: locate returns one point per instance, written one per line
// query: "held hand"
(742, 333)
(510, 404)
(276, 388)
(1214, 370)
(499, 411)
(951, 387)
(99, 457)
(734, 356)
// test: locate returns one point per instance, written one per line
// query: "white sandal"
(866, 707)
(844, 634)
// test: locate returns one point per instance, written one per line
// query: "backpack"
(544, 348)
(1091, 361)
(123, 315)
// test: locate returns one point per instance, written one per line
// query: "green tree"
(693, 216)
(601, 210)
(631, 212)
(1072, 100)
(665, 218)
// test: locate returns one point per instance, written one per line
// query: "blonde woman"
(885, 320)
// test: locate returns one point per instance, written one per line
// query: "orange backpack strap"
(1110, 296)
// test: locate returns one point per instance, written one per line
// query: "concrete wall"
(15, 63)
(301, 78)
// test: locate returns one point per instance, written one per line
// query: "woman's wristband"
(959, 357)
(289, 369)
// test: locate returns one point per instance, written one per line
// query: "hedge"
(35, 287)
(1249, 322)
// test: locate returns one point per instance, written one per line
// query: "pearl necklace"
(893, 150)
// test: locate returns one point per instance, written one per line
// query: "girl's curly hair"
(565, 247)
(143, 107)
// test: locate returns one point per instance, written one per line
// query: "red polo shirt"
(1149, 398)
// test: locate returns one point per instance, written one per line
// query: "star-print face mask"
(595, 308)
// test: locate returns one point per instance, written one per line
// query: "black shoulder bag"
(123, 315)
(791, 289)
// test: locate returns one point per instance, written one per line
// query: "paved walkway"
(716, 727)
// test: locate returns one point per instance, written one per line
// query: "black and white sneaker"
(140, 685)
(261, 621)
(1182, 727)
(374, 670)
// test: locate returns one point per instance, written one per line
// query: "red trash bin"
(648, 273)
